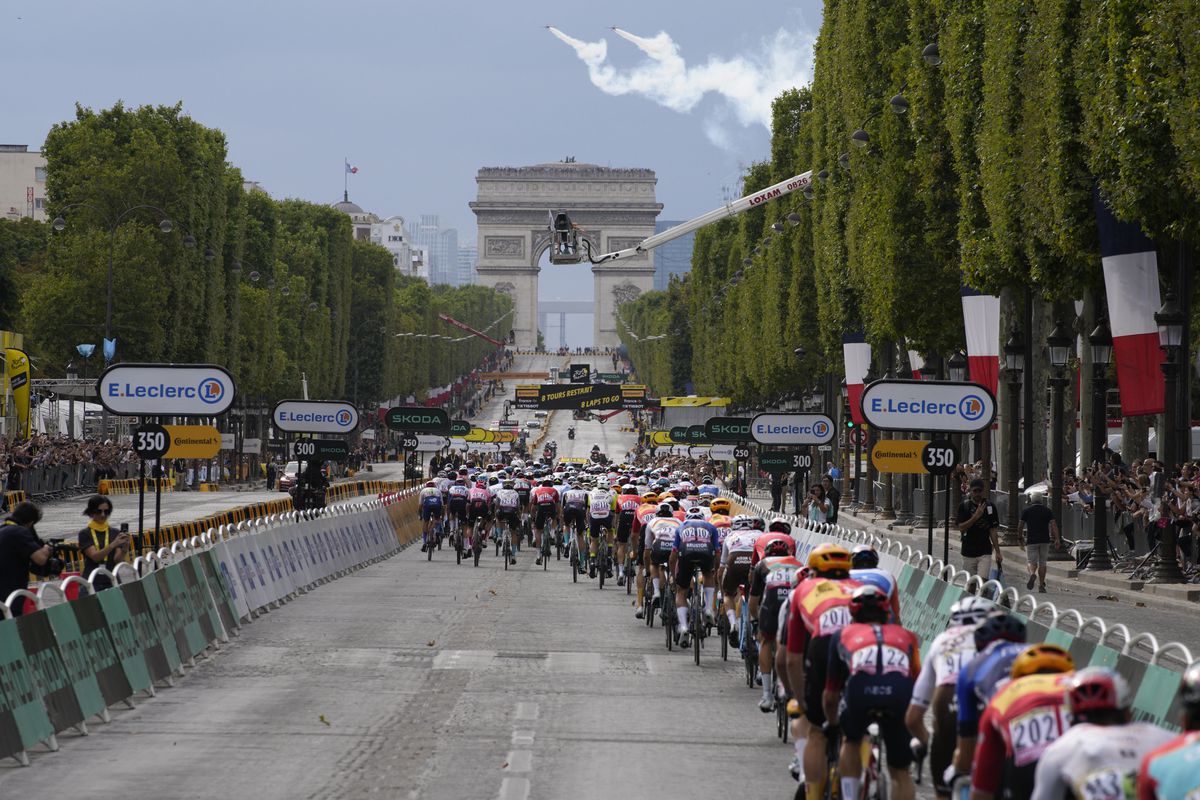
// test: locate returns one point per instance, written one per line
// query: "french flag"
(1131, 286)
(857, 356)
(916, 364)
(981, 320)
(351, 170)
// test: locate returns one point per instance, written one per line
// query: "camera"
(55, 564)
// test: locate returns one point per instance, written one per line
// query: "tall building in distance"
(440, 246)
(467, 256)
(22, 183)
(672, 258)
(392, 235)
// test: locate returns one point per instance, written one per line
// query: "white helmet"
(970, 611)
(602, 482)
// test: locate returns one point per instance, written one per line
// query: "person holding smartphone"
(979, 525)
(98, 543)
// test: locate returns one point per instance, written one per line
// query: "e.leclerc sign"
(315, 416)
(946, 406)
(169, 390)
(418, 419)
(793, 429)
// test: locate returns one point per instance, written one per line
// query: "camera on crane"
(564, 240)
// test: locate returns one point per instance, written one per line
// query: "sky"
(419, 96)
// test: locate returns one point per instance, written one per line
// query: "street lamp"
(957, 366)
(1170, 320)
(1100, 342)
(1014, 362)
(1059, 345)
(932, 55)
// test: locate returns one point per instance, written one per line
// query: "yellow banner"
(504, 436)
(193, 441)
(661, 439)
(900, 456)
(480, 435)
(693, 402)
(17, 369)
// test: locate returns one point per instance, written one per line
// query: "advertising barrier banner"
(23, 718)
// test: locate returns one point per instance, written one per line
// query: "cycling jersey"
(660, 534)
(872, 650)
(544, 496)
(430, 496)
(477, 498)
(1019, 723)
(738, 546)
(601, 503)
(709, 489)
(980, 679)
(1169, 772)
(575, 498)
(772, 580)
(947, 654)
(628, 504)
(695, 537)
(443, 485)
(508, 500)
(523, 489)
(1094, 762)
(819, 607)
(886, 581)
(458, 492)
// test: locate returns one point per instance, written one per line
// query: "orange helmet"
(1042, 659)
(720, 506)
(829, 557)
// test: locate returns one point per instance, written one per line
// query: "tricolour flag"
(1131, 286)
(350, 169)
(981, 321)
(857, 356)
(916, 364)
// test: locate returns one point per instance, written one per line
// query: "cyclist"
(695, 545)
(872, 666)
(574, 505)
(818, 608)
(1020, 722)
(430, 510)
(658, 542)
(770, 584)
(601, 508)
(627, 505)
(1169, 773)
(865, 561)
(645, 512)
(736, 550)
(522, 482)
(547, 508)
(1099, 756)
(508, 511)
(947, 655)
(456, 502)
(708, 486)
(999, 639)
(479, 508)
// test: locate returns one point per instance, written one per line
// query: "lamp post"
(887, 480)
(1100, 342)
(72, 376)
(1059, 345)
(851, 496)
(1014, 358)
(1170, 322)
(956, 368)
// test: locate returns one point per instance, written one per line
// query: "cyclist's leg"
(683, 581)
(710, 591)
(816, 659)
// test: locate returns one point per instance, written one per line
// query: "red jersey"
(544, 496)
(628, 503)
(766, 539)
(861, 649)
(642, 517)
(1020, 721)
(819, 607)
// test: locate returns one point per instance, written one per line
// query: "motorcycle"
(570, 433)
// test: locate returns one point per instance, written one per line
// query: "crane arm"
(786, 187)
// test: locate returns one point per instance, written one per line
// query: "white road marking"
(514, 789)
(519, 761)
(527, 711)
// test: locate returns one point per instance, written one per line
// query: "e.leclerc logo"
(344, 418)
(211, 391)
(820, 428)
(971, 407)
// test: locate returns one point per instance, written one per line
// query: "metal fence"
(43, 483)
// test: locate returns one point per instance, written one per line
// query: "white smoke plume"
(747, 84)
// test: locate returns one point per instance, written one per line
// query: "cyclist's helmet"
(864, 556)
(707, 479)
(1097, 689)
(720, 505)
(492, 481)
(460, 481)
(826, 559)
(759, 524)
(779, 547)
(602, 482)
(509, 483)
(970, 610)
(694, 513)
(548, 482)
(649, 497)
(779, 525)
(868, 603)
(1189, 690)
(628, 489)
(998, 625)
(1042, 659)
(665, 510)
(430, 485)
(740, 523)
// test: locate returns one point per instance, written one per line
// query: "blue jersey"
(980, 679)
(709, 488)
(431, 498)
(1170, 771)
(696, 537)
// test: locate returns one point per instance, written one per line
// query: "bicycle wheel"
(630, 577)
(477, 543)
(574, 562)
(497, 539)
(723, 632)
(429, 548)
(668, 612)
(877, 772)
(696, 615)
(457, 545)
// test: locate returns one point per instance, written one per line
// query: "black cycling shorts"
(509, 516)
(736, 574)
(660, 556)
(458, 509)
(687, 564)
(597, 525)
(543, 515)
(816, 667)
(480, 511)
(624, 526)
(882, 697)
(575, 518)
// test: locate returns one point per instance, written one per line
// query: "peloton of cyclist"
(695, 545)
(872, 666)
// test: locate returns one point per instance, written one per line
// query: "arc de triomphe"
(615, 208)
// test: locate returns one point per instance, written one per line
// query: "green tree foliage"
(274, 290)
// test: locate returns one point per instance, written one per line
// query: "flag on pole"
(856, 354)
(351, 170)
(1130, 263)
(981, 320)
(916, 363)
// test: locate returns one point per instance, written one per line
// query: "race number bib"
(868, 660)
(1032, 732)
(601, 507)
(833, 620)
(1107, 783)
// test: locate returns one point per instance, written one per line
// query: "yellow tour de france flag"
(18, 383)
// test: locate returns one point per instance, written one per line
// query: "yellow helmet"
(650, 497)
(829, 557)
(1044, 659)
(720, 506)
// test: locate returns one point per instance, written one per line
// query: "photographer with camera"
(22, 552)
(97, 544)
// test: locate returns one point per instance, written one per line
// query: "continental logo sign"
(584, 396)
(693, 402)
(899, 456)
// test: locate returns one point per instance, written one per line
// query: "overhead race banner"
(915, 406)
(315, 416)
(729, 430)
(168, 390)
(793, 429)
(692, 401)
(418, 419)
(584, 396)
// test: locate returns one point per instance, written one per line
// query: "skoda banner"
(314, 416)
(168, 390)
(418, 419)
(945, 406)
(728, 430)
(793, 429)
